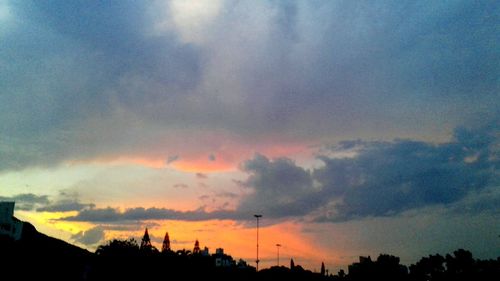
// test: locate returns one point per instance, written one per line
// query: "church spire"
(166, 243)
(196, 249)
(146, 242)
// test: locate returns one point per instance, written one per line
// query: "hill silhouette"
(36, 256)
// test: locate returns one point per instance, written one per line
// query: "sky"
(354, 127)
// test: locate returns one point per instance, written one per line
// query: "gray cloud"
(383, 179)
(281, 188)
(89, 237)
(203, 185)
(27, 201)
(204, 197)
(487, 201)
(140, 214)
(101, 80)
(211, 157)
(65, 206)
(387, 178)
(181, 185)
(201, 176)
(172, 159)
(227, 194)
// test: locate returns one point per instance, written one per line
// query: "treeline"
(124, 258)
(39, 257)
(457, 266)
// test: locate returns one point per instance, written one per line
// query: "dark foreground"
(40, 257)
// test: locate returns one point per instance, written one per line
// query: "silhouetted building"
(205, 252)
(9, 225)
(196, 249)
(166, 243)
(223, 260)
(146, 242)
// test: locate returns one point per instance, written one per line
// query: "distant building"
(362, 270)
(219, 251)
(223, 260)
(205, 252)
(166, 243)
(146, 242)
(9, 225)
(196, 249)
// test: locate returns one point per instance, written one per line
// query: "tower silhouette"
(166, 243)
(146, 242)
(196, 249)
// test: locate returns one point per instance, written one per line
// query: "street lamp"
(278, 247)
(257, 260)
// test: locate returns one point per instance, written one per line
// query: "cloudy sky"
(353, 127)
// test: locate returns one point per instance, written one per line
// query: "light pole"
(278, 247)
(257, 260)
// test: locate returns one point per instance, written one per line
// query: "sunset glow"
(354, 128)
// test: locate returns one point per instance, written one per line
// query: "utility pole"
(257, 260)
(278, 247)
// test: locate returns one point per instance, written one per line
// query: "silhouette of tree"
(119, 248)
(428, 268)
(292, 264)
(461, 266)
(388, 268)
(322, 269)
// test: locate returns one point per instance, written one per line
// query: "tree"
(461, 265)
(322, 269)
(388, 268)
(119, 248)
(428, 268)
(292, 264)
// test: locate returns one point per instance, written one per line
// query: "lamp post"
(257, 260)
(278, 248)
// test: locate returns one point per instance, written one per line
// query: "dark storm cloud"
(387, 178)
(383, 179)
(84, 79)
(281, 188)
